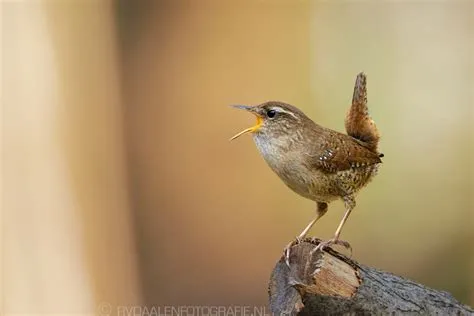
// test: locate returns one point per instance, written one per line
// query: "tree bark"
(329, 283)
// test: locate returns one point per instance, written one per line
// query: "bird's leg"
(349, 203)
(321, 209)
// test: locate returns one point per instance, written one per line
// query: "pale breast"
(293, 171)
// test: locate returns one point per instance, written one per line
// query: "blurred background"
(119, 184)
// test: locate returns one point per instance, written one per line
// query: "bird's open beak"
(250, 129)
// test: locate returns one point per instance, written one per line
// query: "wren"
(316, 162)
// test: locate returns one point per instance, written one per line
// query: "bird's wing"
(342, 153)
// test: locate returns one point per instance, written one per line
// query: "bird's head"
(273, 118)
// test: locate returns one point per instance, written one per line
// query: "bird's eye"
(271, 113)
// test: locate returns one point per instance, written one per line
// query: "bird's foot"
(286, 251)
(333, 241)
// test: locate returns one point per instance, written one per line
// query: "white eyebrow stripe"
(281, 110)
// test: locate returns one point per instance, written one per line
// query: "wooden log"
(329, 283)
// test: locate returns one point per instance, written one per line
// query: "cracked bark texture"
(328, 283)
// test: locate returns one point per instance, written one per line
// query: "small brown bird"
(318, 163)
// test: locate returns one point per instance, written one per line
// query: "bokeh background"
(119, 184)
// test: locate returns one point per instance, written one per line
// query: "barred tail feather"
(358, 122)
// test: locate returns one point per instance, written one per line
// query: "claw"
(333, 241)
(287, 257)
(286, 251)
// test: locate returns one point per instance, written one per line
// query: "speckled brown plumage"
(316, 162)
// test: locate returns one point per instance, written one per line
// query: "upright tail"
(358, 122)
